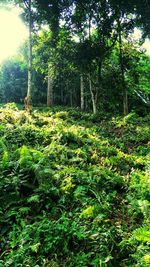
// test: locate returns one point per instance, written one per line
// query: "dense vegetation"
(66, 89)
(82, 54)
(74, 189)
(74, 176)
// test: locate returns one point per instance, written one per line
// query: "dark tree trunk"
(124, 88)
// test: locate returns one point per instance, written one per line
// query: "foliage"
(13, 81)
(73, 192)
(74, 39)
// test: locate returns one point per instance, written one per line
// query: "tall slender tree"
(123, 83)
(29, 90)
(50, 86)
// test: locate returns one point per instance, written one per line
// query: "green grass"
(75, 189)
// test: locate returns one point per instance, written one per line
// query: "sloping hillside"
(74, 189)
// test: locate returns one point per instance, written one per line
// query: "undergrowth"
(74, 189)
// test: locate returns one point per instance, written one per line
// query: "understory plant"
(73, 192)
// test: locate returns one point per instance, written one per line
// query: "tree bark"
(124, 88)
(62, 96)
(71, 99)
(49, 89)
(82, 91)
(29, 90)
(93, 96)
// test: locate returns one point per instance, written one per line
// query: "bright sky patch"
(13, 32)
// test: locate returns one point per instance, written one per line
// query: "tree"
(79, 17)
(29, 92)
(13, 81)
(28, 99)
(74, 52)
(57, 64)
(43, 61)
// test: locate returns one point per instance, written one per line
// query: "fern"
(142, 234)
(5, 160)
(34, 198)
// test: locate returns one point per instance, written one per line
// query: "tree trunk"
(82, 91)
(49, 89)
(124, 88)
(71, 99)
(125, 102)
(93, 96)
(70, 94)
(62, 96)
(29, 91)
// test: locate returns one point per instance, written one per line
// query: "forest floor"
(74, 189)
